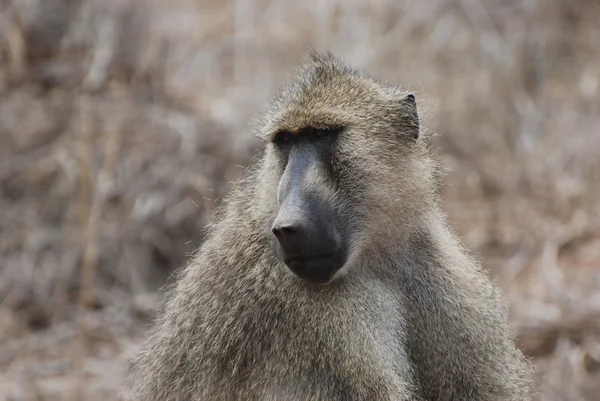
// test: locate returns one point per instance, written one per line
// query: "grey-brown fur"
(412, 317)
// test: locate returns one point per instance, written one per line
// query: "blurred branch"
(541, 339)
(89, 215)
(104, 50)
(14, 40)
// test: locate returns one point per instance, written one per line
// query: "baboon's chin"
(317, 270)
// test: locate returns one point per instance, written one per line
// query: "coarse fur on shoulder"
(403, 313)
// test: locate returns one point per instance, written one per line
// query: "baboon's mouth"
(305, 259)
(316, 268)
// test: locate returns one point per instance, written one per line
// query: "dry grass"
(122, 124)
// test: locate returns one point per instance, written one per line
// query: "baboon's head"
(345, 169)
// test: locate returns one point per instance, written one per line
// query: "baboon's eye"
(321, 132)
(282, 137)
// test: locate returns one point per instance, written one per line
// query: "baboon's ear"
(409, 118)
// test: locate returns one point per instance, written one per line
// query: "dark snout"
(309, 233)
(308, 246)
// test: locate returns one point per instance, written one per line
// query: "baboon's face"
(345, 169)
(311, 234)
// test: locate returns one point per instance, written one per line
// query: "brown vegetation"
(122, 124)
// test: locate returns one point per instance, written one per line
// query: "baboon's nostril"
(284, 230)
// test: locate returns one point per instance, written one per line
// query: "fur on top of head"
(325, 91)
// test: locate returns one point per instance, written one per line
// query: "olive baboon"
(379, 300)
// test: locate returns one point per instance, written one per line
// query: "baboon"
(331, 272)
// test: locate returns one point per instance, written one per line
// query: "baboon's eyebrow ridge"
(296, 123)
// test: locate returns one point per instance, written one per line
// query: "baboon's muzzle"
(308, 231)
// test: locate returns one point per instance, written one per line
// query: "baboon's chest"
(332, 347)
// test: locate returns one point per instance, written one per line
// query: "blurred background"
(124, 122)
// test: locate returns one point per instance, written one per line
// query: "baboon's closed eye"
(307, 134)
